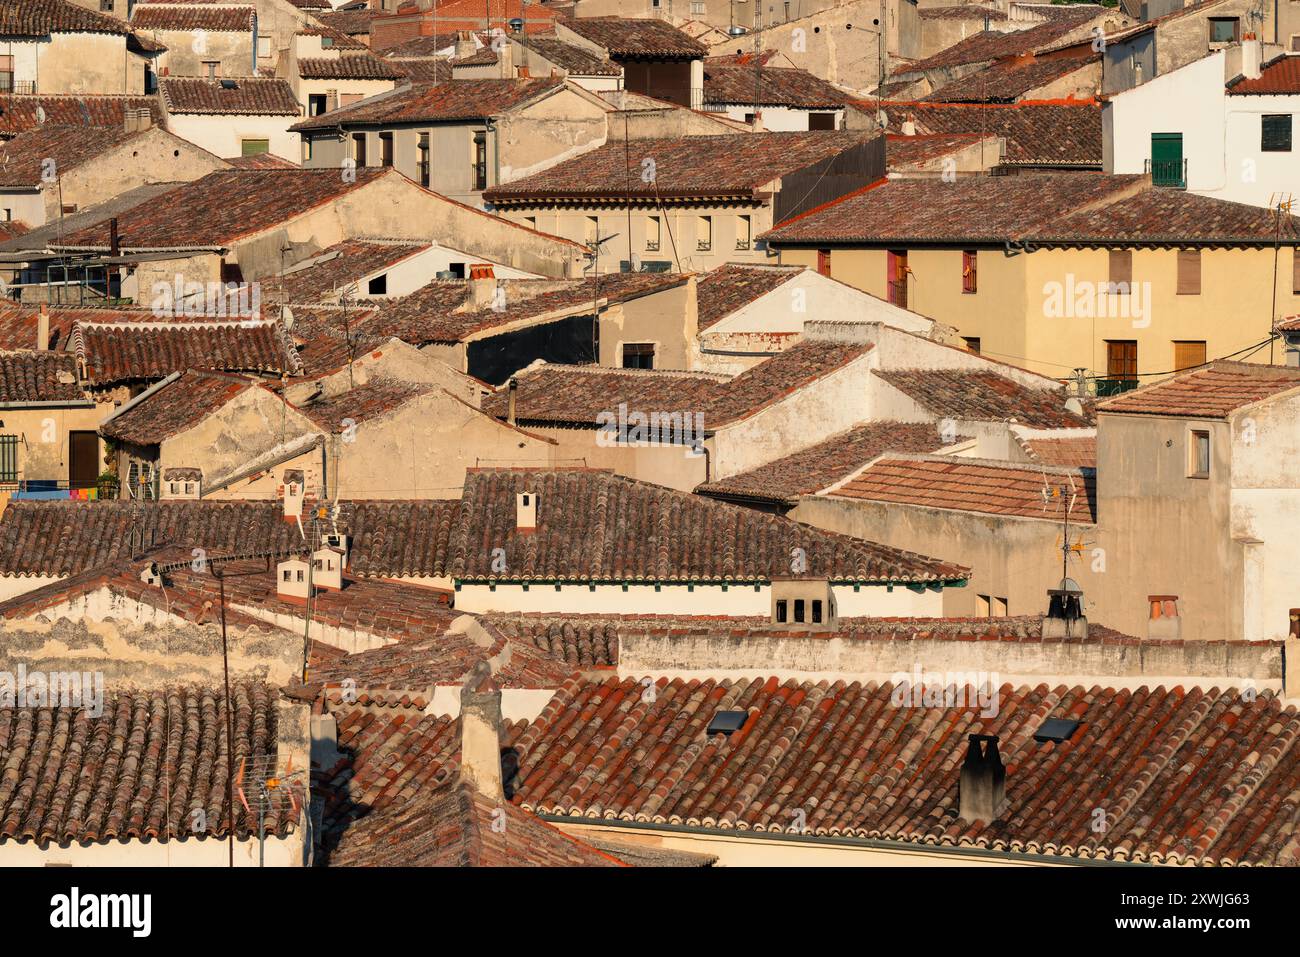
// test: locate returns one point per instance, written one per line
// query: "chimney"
(526, 512)
(909, 126)
(482, 286)
(465, 45)
(1165, 621)
(514, 391)
(757, 122)
(982, 792)
(1065, 618)
(114, 244)
(505, 60)
(480, 732)
(1250, 57)
(43, 328)
(294, 484)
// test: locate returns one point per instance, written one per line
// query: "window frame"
(1194, 437)
(1273, 146)
(969, 272)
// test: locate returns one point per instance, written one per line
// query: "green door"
(1167, 159)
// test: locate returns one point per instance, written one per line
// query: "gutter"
(826, 840)
(50, 404)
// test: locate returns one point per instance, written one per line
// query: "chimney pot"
(1164, 621)
(482, 286)
(43, 328)
(982, 790)
(480, 732)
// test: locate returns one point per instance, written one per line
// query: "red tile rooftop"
(1210, 392)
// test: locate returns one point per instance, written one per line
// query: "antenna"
(259, 784)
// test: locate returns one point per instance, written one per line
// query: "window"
(212, 68)
(1121, 270)
(983, 606)
(422, 159)
(896, 276)
(9, 215)
(704, 234)
(1224, 29)
(821, 121)
(105, 6)
(1295, 271)
(972, 343)
(306, 148)
(316, 104)
(298, 574)
(1167, 167)
(480, 161)
(8, 458)
(1122, 359)
(1188, 353)
(697, 8)
(817, 611)
(6, 73)
(1275, 133)
(999, 609)
(254, 147)
(638, 355)
(1189, 272)
(653, 234)
(1295, 43)
(69, 208)
(359, 148)
(385, 149)
(378, 285)
(824, 261)
(799, 609)
(1198, 453)
(288, 575)
(264, 45)
(968, 276)
(744, 232)
(781, 613)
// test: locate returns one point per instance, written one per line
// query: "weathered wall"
(188, 51)
(224, 135)
(43, 438)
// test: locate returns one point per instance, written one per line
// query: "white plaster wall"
(810, 296)
(190, 852)
(877, 601)
(1249, 174)
(221, 135)
(781, 119)
(13, 585)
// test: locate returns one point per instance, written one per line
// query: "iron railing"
(1171, 173)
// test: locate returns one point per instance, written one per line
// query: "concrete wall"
(546, 133)
(666, 319)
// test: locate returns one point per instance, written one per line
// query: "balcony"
(9, 85)
(1170, 173)
(57, 489)
(1114, 386)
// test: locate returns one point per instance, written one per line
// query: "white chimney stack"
(526, 512)
(43, 328)
(480, 732)
(1250, 57)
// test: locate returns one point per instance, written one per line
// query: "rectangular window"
(821, 121)
(638, 355)
(743, 232)
(816, 611)
(254, 147)
(1275, 133)
(1224, 29)
(704, 234)
(798, 609)
(8, 458)
(972, 343)
(306, 148)
(1122, 359)
(480, 161)
(1295, 271)
(385, 149)
(983, 606)
(422, 159)
(6, 73)
(1167, 164)
(1121, 270)
(653, 235)
(1295, 43)
(264, 45)
(824, 261)
(969, 281)
(781, 613)
(359, 148)
(1198, 454)
(896, 276)
(316, 104)
(1188, 354)
(1189, 272)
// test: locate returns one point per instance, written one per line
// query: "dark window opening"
(316, 104)
(781, 611)
(816, 612)
(798, 609)
(378, 286)
(480, 161)
(386, 149)
(638, 355)
(1275, 133)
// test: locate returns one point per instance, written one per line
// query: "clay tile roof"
(990, 45)
(1037, 134)
(230, 95)
(39, 377)
(422, 69)
(453, 100)
(777, 86)
(1210, 392)
(332, 39)
(1006, 81)
(812, 469)
(802, 745)
(374, 399)
(420, 46)
(926, 149)
(127, 351)
(730, 164)
(75, 777)
(969, 11)
(21, 112)
(222, 207)
(976, 395)
(637, 39)
(25, 158)
(261, 161)
(1155, 215)
(730, 287)
(18, 324)
(581, 395)
(194, 17)
(338, 266)
(177, 406)
(973, 485)
(38, 18)
(569, 57)
(350, 22)
(1280, 76)
(359, 66)
(1070, 451)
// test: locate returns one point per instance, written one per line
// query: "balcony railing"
(1171, 173)
(39, 489)
(898, 292)
(1114, 386)
(9, 85)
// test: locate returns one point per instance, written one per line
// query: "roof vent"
(1065, 618)
(1056, 730)
(728, 722)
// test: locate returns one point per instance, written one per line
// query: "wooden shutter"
(824, 261)
(969, 277)
(1121, 266)
(1121, 359)
(1189, 272)
(1188, 354)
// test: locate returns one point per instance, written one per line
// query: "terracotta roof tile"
(970, 395)
(22, 112)
(1280, 76)
(1070, 451)
(350, 22)
(975, 485)
(337, 267)
(356, 66)
(38, 18)
(125, 351)
(776, 86)
(1007, 81)
(573, 59)
(1209, 392)
(453, 100)
(139, 770)
(25, 159)
(39, 377)
(988, 45)
(1037, 134)
(967, 11)
(176, 407)
(243, 95)
(813, 469)
(633, 38)
(194, 17)
(912, 152)
(374, 399)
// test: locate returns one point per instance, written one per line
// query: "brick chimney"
(482, 286)
(480, 732)
(982, 795)
(1164, 621)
